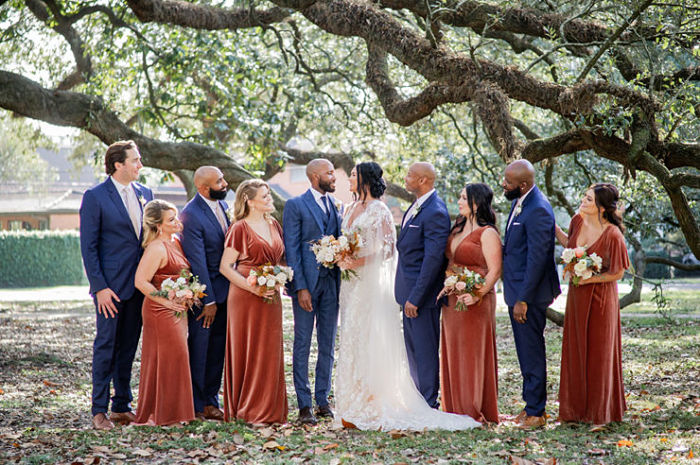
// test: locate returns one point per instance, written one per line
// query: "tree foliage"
(593, 91)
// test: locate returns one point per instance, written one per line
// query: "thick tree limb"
(673, 263)
(204, 16)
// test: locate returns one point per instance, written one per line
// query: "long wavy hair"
(606, 197)
(481, 195)
(153, 217)
(369, 180)
(247, 190)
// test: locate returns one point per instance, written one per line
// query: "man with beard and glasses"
(315, 288)
(205, 224)
(530, 282)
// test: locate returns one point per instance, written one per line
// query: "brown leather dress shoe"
(122, 418)
(324, 411)
(213, 413)
(199, 416)
(521, 416)
(532, 422)
(306, 417)
(101, 422)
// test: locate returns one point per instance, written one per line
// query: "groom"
(314, 289)
(530, 282)
(419, 277)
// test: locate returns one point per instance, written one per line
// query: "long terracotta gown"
(254, 386)
(590, 388)
(165, 388)
(468, 362)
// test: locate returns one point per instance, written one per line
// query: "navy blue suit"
(111, 253)
(419, 279)
(203, 244)
(304, 221)
(530, 276)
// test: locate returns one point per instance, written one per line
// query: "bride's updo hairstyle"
(369, 180)
(606, 197)
(481, 195)
(153, 217)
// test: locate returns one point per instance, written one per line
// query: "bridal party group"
(415, 308)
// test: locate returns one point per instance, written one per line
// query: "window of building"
(14, 225)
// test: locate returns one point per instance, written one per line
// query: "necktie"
(220, 217)
(133, 211)
(324, 199)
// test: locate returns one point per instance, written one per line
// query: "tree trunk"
(635, 295)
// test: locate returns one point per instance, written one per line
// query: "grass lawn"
(45, 357)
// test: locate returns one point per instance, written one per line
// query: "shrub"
(40, 258)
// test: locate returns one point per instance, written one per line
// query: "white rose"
(168, 283)
(281, 277)
(180, 293)
(597, 261)
(451, 281)
(580, 268)
(261, 281)
(567, 255)
(325, 240)
(181, 281)
(587, 274)
(271, 283)
(343, 241)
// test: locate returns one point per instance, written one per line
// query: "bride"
(373, 386)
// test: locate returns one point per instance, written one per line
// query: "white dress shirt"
(519, 202)
(319, 200)
(416, 206)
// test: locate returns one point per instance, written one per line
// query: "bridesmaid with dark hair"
(468, 363)
(591, 390)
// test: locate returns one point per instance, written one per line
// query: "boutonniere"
(518, 209)
(142, 200)
(418, 209)
(338, 204)
(230, 215)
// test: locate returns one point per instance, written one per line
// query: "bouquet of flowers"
(185, 290)
(460, 281)
(329, 250)
(580, 264)
(270, 276)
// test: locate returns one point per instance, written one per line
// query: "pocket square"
(413, 226)
(515, 223)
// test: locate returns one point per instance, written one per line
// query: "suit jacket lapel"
(208, 213)
(117, 199)
(313, 207)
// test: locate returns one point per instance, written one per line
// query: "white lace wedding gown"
(373, 386)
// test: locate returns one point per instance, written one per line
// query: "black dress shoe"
(324, 411)
(306, 417)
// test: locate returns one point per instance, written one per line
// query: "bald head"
(420, 178)
(209, 182)
(518, 179)
(321, 174)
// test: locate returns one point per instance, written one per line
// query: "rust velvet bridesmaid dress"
(591, 389)
(165, 386)
(468, 362)
(254, 386)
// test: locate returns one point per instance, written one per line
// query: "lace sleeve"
(378, 232)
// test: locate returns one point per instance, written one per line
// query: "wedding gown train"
(373, 386)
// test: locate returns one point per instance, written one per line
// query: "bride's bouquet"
(269, 276)
(579, 264)
(460, 281)
(185, 290)
(329, 250)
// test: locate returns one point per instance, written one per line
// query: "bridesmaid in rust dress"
(254, 386)
(165, 386)
(591, 389)
(468, 362)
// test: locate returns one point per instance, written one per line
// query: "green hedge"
(40, 258)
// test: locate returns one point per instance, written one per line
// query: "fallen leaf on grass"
(520, 461)
(330, 446)
(396, 434)
(2, 392)
(679, 448)
(238, 439)
(273, 445)
(266, 432)
(597, 452)
(50, 383)
(624, 443)
(597, 428)
(142, 452)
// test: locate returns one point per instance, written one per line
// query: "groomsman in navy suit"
(205, 224)
(419, 277)
(110, 242)
(530, 282)
(315, 289)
